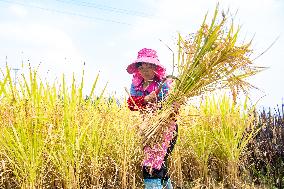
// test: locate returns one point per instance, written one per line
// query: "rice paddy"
(52, 136)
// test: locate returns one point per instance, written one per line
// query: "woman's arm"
(136, 102)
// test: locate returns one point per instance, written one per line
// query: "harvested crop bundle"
(208, 60)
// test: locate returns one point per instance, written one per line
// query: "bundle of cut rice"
(209, 60)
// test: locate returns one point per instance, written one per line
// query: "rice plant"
(215, 136)
(210, 59)
(52, 136)
(266, 156)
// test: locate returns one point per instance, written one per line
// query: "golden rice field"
(53, 137)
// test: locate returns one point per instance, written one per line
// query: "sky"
(103, 37)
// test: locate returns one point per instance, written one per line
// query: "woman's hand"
(152, 97)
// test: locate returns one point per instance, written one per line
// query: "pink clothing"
(154, 157)
(148, 56)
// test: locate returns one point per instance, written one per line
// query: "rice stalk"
(22, 136)
(210, 60)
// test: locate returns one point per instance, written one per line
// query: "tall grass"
(214, 140)
(266, 155)
(53, 137)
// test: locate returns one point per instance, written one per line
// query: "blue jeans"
(157, 184)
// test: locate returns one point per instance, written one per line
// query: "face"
(147, 71)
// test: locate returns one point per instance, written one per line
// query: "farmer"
(147, 88)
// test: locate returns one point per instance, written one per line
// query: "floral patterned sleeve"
(136, 100)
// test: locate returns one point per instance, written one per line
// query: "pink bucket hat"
(147, 56)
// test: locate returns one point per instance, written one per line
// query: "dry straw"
(208, 60)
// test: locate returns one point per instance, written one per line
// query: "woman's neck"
(148, 80)
(146, 83)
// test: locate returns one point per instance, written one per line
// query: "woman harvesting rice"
(211, 59)
(149, 87)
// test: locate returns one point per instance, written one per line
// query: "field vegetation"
(53, 137)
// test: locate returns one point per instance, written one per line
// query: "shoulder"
(134, 91)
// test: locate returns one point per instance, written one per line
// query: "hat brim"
(132, 68)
